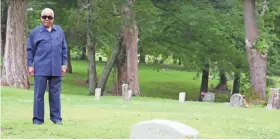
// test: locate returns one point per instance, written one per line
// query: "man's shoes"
(58, 123)
(37, 122)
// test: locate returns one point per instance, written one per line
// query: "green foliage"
(270, 82)
(245, 87)
(201, 34)
(261, 45)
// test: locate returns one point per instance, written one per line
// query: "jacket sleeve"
(30, 50)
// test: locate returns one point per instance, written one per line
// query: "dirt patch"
(81, 82)
(5, 129)
(257, 102)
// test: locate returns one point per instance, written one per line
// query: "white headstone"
(127, 96)
(97, 93)
(208, 97)
(236, 100)
(274, 99)
(124, 90)
(162, 129)
(182, 96)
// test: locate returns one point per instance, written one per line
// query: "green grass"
(111, 117)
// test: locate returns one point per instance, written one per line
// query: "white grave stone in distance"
(127, 96)
(208, 97)
(97, 93)
(182, 96)
(162, 129)
(236, 100)
(274, 99)
(124, 90)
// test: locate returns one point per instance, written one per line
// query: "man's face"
(47, 19)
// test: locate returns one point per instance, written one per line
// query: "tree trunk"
(84, 52)
(132, 61)
(3, 27)
(204, 81)
(236, 83)
(257, 61)
(108, 68)
(122, 69)
(14, 70)
(174, 59)
(69, 65)
(127, 62)
(180, 61)
(222, 86)
(92, 76)
(142, 55)
(3, 40)
(131, 44)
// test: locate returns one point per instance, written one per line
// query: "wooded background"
(234, 38)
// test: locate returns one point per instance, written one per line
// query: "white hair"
(47, 10)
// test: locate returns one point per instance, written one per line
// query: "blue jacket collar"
(44, 28)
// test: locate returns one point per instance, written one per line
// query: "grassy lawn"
(112, 117)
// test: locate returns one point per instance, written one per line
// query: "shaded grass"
(112, 117)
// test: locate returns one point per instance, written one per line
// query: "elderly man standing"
(46, 58)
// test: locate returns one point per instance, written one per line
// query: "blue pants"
(40, 83)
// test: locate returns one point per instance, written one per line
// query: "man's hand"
(31, 71)
(63, 70)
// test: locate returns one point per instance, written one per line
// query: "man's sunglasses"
(49, 17)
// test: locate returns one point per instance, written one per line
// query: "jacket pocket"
(40, 46)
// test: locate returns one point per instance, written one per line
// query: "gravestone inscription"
(162, 129)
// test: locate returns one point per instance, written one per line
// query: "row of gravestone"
(236, 100)
(206, 97)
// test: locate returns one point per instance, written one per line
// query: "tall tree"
(132, 48)
(236, 83)
(222, 86)
(91, 45)
(14, 70)
(256, 58)
(204, 80)
(128, 58)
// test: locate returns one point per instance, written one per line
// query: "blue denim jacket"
(47, 51)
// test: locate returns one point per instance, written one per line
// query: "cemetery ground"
(112, 117)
